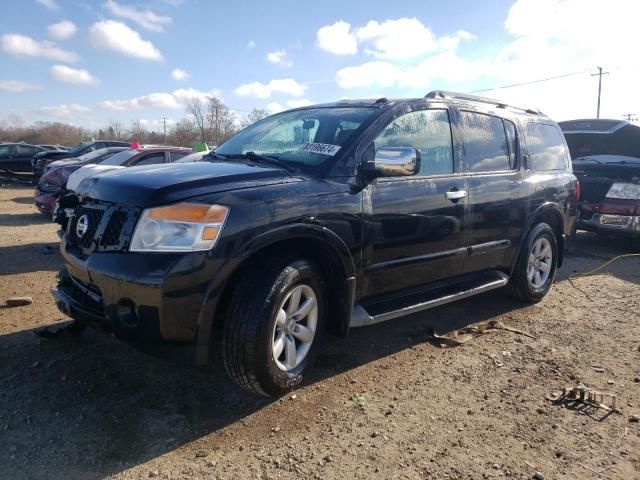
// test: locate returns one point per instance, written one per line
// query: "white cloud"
(279, 57)
(338, 39)
(275, 107)
(23, 46)
(397, 39)
(64, 111)
(383, 74)
(405, 38)
(145, 18)
(50, 4)
(174, 100)
(117, 37)
(74, 76)
(251, 44)
(16, 86)
(179, 74)
(62, 30)
(286, 86)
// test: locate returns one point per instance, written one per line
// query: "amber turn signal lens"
(190, 212)
(210, 233)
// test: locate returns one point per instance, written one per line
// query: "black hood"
(161, 184)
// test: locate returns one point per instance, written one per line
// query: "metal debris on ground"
(585, 395)
(18, 301)
(462, 336)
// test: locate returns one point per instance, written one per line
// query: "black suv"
(321, 219)
(42, 159)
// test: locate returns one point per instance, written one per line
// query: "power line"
(531, 82)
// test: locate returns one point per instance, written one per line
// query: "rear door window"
(151, 159)
(485, 143)
(429, 132)
(173, 156)
(26, 151)
(546, 146)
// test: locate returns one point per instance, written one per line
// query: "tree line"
(207, 121)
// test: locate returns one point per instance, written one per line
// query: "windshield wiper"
(213, 153)
(269, 159)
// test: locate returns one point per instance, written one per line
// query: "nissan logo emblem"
(82, 226)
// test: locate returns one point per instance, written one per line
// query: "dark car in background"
(55, 176)
(320, 219)
(16, 157)
(133, 157)
(52, 147)
(606, 161)
(42, 159)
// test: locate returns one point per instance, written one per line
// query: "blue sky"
(87, 62)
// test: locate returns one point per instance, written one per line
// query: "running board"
(360, 317)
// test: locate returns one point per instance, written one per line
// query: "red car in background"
(606, 161)
(53, 183)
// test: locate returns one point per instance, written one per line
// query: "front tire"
(273, 325)
(536, 267)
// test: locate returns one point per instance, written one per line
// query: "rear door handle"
(455, 194)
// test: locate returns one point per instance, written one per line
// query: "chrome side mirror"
(396, 162)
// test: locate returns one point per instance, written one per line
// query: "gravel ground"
(387, 402)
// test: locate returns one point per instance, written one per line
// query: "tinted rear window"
(546, 145)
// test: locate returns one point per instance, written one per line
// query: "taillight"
(578, 190)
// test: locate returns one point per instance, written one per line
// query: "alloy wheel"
(540, 262)
(295, 327)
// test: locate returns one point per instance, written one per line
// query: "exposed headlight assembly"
(628, 191)
(183, 227)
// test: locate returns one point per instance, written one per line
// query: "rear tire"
(273, 325)
(536, 267)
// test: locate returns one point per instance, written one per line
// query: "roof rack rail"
(474, 98)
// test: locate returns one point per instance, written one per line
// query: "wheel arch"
(314, 242)
(550, 214)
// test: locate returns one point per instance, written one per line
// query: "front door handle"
(455, 195)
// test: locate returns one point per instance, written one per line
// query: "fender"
(301, 231)
(541, 210)
(271, 237)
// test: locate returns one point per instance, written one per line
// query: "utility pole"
(164, 127)
(599, 74)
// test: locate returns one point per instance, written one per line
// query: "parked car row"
(63, 175)
(42, 159)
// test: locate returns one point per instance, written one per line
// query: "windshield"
(306, 137)
(120, 157)
(91, 155)
(604, 159)
(624, 142)
(77, 148)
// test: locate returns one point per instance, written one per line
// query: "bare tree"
(197, 109)
(137, 131)
(184, 134)
(253, 116)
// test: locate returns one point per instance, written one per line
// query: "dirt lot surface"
(387, 402)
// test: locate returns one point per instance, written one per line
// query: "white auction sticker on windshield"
(323, 148)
